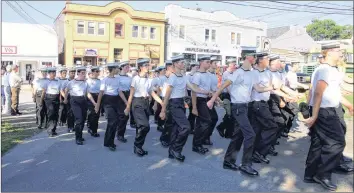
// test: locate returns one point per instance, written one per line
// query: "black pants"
(79, 109)
(167, 127)
(203, 122)
(279, 115)
(243, 132)
(92, 116)
(52, 104)
(327, 144)
(122, 118)
(191, 116)
(264, 126)
(157, 115)
(227, 123)
(340, 112)
(141, 115)
(214, 120)
(132, 120)
(41, 110)
(111, 113)
(63, 111)
(70, 115)
(181, 126)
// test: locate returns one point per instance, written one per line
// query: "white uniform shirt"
(262, 78)
(242, 85)
(110, 86)
(93, 85)
(53, 86)
(77, 88)
(39, 84)
(179, 84)
(124, 82)
(189, 76)
(225, 76)
(164, 87)
(203, 81)
(142, 86)
(5, 79)
(214, 82)
(291, 80)
(333, 77)
(162, 82)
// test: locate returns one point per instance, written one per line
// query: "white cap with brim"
(203, 57)
(177, 58)
(230, 60)
(112, 65)
(214, 58)
(51, 69)
(43, 69)
(330, 46)
(122, 64)
(143, 62)
(80, 68)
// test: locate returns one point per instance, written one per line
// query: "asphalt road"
(58, 164)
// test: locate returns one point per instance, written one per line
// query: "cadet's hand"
(195, 111)
(310, 121)
(127, 111)
(351, 110)
(97, 108)
(162, 115)
(282, 104)
(210, 104)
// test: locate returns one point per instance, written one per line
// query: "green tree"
(328, 30)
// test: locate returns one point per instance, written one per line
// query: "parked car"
(303, 78)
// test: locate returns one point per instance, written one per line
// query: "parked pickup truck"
(303, 78)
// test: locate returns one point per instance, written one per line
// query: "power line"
(285, 3)
(232, 3)
(325, 2)
(39, 11)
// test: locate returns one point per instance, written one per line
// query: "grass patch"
(11, 136)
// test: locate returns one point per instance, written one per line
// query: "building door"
(28, 71)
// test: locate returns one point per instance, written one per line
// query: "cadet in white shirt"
(191, 117)
(167, 122)
(77, 89)
(224, 127)
(63, 108)
(325, 122)
(202, 80)
(70, 119)
(51, 97)
(132, 74)
(38, 86)
(140, 92)
(93, 89)
(242, 82)
(161, 78)
(124, 91)
(174, 101)
(214, 86)
(109, 95)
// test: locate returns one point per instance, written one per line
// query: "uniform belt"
(142, 98)
(202, 99)
(83, 96)
(261, 101)
(52, 95)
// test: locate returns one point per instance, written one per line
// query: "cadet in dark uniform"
(191, 117)
(38, 86)
(161, 80)
(227, 122)
(78, 102)
(50, 95)
(93, 90)
(109, 95)
(167, 122)
(202, 80)
(214, 85)
(174, 99)
(242, 82)
(139, 100)
(63, 108)
(325, 122)
(124, 91)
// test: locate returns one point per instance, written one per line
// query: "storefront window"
(77, 60)
(47, 64)
(5, 63)
(102, 61)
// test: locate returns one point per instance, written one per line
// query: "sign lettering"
(8, 50)
(202, 50)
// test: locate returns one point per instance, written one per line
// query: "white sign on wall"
(8, 49)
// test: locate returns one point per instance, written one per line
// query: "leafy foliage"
(328, 30)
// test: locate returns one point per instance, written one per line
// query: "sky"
(276, 18)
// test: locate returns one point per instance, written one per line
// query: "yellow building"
(115, 32)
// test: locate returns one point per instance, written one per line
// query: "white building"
(28, 45)
(195, 32)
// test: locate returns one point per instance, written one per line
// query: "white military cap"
(43, 69)
(122, 64)
(203, 57)
(62, 69)
(177, 58)
(192, 64)
(214, 58)
(72, 69)
(112, 65)
(330, 45)
(143, 62)
(230, 60)
(273, 57)
(80, 68)
(159, 68)
(168, 62)
(51, 69)
(261, 54)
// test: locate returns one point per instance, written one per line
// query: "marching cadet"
(223, 127)
(174, 101)
(50, 96)
(93, 90)
(124, 92)
(139, 100)
(214, 85)
(77, 88)
(132, 74)
(161, 78)
(70, 120)
(109, 94)
(202, 80)
(63, 108)
(243, 81)
(167, 122)
(191, 117)
(325, 122)
(38, 86)
(154, 85)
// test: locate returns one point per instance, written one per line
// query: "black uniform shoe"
(347, 159)
(54, 133)
(160, 128)
(261, 158)
(199, 150)
(229, 166)
(326, 183)
(111, 147)
(309, 180)
(220, 131)
(39, 127)
(343, 169)
(122, 139)
(96, 135)
(205, 149)
(164, 143)
(255, 160)
(139, 151)
(79, 142)
(175, 155)
(273, 152)
(19, 113)
(248, 170)
(277, 143)
(82, 139)
(70, 130)
(207, 142)
(283, 134)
